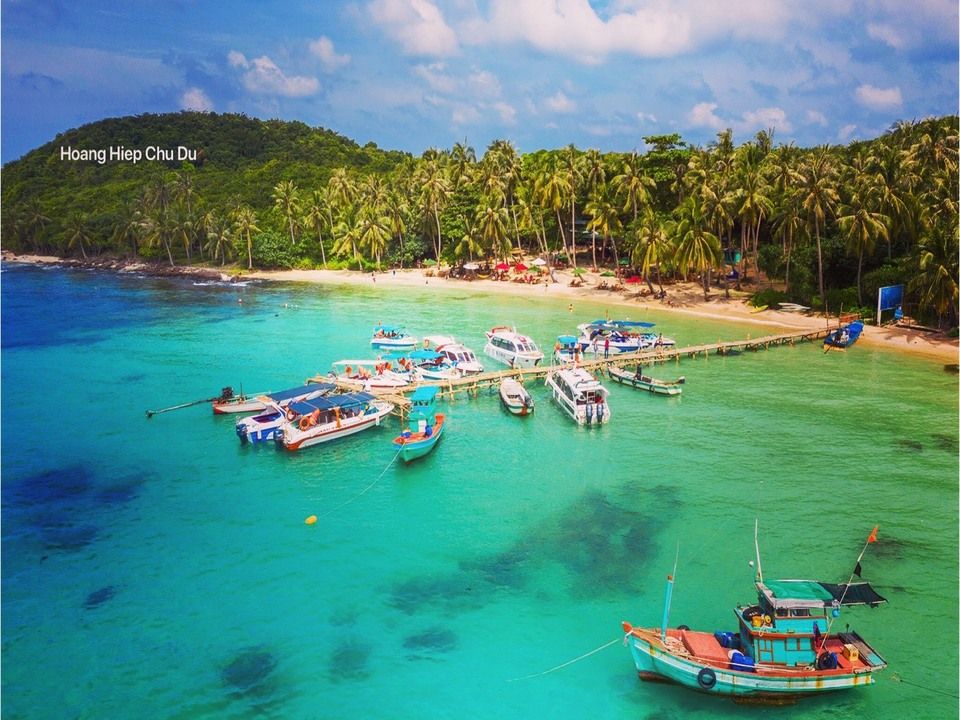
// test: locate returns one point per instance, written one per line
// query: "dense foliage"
(827, 225)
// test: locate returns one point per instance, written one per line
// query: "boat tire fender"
(683, 627)
(826, 661)
(707, 678)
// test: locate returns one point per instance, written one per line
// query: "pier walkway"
(472, 384)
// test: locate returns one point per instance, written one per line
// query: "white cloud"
(508, 113)
(465, 115)
(264, 77)
(436, 77)
(322, 47)
(879, 98)
(702, 115)
(418, 25)
(646, 117)
(485, 84)
(765, 118)
(561, 103)
(195, 99)
(887, 34)
(815, 116)
(846, 131)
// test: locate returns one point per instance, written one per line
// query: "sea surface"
(156, 568)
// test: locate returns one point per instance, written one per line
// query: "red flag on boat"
(873, 535)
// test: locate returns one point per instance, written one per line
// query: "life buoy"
(389, 366)
(304, 422)
(707, 678)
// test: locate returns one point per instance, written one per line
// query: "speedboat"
(515, 397)
(425, 426)
(392, 337)
(459, 355)
(566, 350)
(508, 346)
(623, 336)
(312, 422)
(263, 427)
(228, 403)
(425, 365)
(782, 647)
(373, 374)
(580, 395)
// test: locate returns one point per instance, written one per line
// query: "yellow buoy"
(311, 520)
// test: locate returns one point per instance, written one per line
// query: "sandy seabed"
(684, 298)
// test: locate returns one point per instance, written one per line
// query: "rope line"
(350, 500)
(569, 662)
(897, 678)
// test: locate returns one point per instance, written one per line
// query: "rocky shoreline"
(119, 265)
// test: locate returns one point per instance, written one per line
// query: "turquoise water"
(156, 568)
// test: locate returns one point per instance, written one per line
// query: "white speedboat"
(459, 355)
(515, 397)
(329, 418)
(508, 346)
(566, 350)
(228, 403)
(425, 365)
(623, 336)
(263, 427)
(392, 337)
(373, 374)
(580, 395)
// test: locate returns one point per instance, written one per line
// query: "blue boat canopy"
(814, 594)
(624, 323)
(566, 339)
(387, 328)
(424, 395)
(347, 400)
(302, 390)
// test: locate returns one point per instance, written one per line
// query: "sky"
(417, 74)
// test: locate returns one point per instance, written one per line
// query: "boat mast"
(756, 545)
(667, 595)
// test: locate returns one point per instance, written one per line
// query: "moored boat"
(263, 427)
(782, 648)
(506, 345)
(602, 337)
(425, 365)
(373, 374)
(566, 350)
(515, 397)
(425, 426)
(392, 337)
(845, 336)
(261, 401)
(459, 355)
(580, 395)
(329, 418)
(644, 382)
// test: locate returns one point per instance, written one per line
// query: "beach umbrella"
(502, 266)
(578, 271)
(633, 279)
(606, 273)
(430, 263)
(520, 267)
(471, 266)
(539, 262)
(624, 262)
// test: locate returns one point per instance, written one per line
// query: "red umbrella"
(503, 266)
(520, 267)
(633, 279)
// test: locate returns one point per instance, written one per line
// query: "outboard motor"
(589, 414)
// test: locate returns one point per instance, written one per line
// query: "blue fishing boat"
(844, 336)
(425, 426)
(781, 649)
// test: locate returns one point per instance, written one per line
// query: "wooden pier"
(472, 384)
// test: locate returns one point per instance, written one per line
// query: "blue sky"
(414, 74)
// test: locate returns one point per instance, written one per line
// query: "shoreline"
(683, 298)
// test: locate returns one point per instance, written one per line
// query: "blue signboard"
(890, 297)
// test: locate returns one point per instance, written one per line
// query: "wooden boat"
(781, 649)
(511, 348)
(229, 403)
(263, 427)
(645, 382)
(580, 395)
(425, 426)
(392, 337)
(845, 336)
(311, 422)
(515, 397)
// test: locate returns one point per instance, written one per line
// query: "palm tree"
(605, 219)
(819, 200)
(434, 193)
(571, 165)
(633, 185)
(395, 210)
(754, 206)
(653, 248)
(286, 200)
(697, 248)
(78, 231)
(317, 217)
(34, 222)
(936, 282)
(553, 187)
(462, 161)
(863, 225)
(491, 224)
(372, 232)
(245, 224)
(219, 238)
(789, 224)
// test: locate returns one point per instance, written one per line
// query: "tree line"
(831, 223)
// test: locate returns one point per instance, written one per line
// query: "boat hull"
(655, 661)
(515, 398)
(651, 385)
(408, 343)
(418, 445)
(294, 439)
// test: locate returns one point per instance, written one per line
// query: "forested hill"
(232, 159)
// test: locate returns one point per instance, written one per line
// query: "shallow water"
(156, 568)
